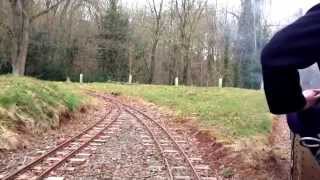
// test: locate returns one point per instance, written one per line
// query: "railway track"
(68, 151)
(175, 161)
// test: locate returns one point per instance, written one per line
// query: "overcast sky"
(281, 11)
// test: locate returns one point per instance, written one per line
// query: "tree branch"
(8, 29)
(46, 10)
(234, 15)
(177, 9)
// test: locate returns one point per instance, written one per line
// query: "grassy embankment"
(35, 105)
(31, 105)
(234, 113)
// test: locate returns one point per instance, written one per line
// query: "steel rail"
(163, 129)
(42, 157)
(156, 142)
(56, 165)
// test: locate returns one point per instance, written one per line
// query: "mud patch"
(246, 159)
(250, 159)
(66, 116)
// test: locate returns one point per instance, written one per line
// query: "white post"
(81, 78)
(68, 80)
(130, 79)
(220, 82)
(176, 81)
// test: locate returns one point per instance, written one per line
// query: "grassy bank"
(33, 105)
(234, 112)
(27, 103)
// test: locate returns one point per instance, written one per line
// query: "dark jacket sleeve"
(295, 47)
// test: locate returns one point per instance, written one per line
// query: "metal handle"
(310, 142)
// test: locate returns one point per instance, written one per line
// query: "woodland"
(196, 41)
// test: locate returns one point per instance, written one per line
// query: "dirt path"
(128, 155)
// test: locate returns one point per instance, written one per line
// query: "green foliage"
(226, 61)
(49, 60)
(238, 112)
(113, 48)
(72, 101)
(5, 66)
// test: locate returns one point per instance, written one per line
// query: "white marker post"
(176, 81)
(220, 82)
(68, 80)
(130, 79)
(81, 78)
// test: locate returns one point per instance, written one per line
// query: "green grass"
(34, 104)
(236, 113)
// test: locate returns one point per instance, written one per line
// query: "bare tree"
(22, 15)
(211, 21)
(189, 13)
(156, 32)
(198, 42)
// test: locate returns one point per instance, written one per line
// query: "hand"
(312, 96)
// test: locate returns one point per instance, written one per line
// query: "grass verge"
(232, 113)
(236, 113)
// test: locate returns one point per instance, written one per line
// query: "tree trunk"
(187, 64)
(153, 62)
(21, 24)
(20, 42)
(187, 70)
(210, 66)
(173, 69)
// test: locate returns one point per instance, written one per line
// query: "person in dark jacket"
(295, 47)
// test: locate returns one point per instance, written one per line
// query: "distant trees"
(113, 41)
(197, 41)
(252, 35)
(62, 41)
(189, 13)
(156, 30)
(22, 15)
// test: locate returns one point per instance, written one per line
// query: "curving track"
(175, 161)
(174, 157)
(46, 163)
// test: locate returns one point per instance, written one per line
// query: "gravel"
(128, 153)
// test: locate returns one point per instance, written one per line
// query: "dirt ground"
(269, 161)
